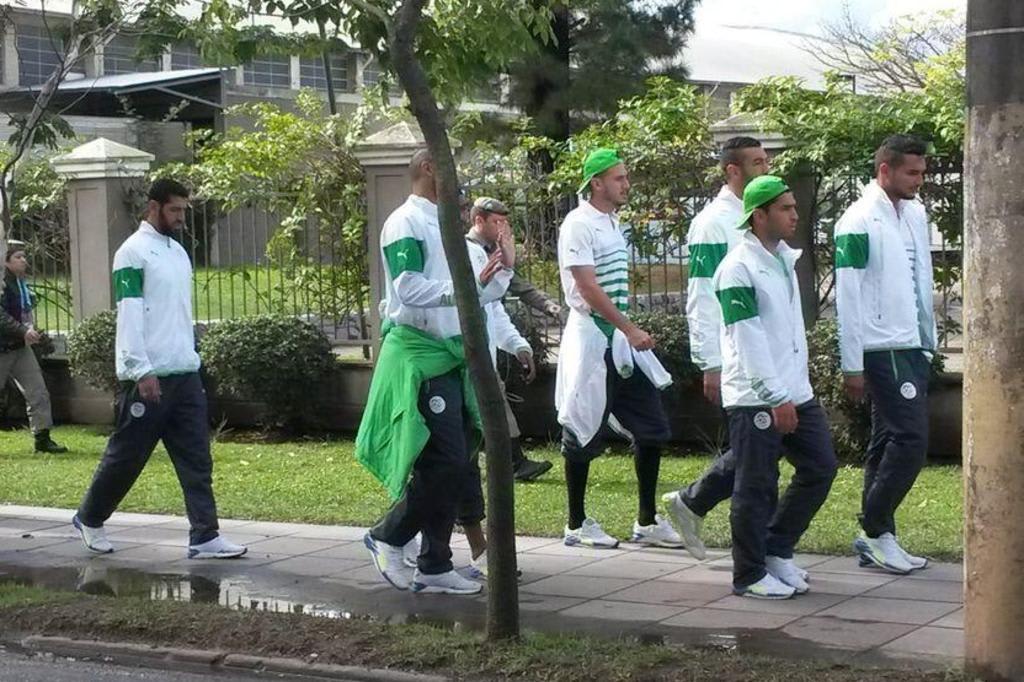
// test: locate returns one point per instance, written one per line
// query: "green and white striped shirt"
(590, 237)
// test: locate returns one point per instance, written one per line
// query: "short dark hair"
(895, 147)
(731, 149)
(163, 189)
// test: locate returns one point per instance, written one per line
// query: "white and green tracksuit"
(764, 365)
(887, 332)
(152, 282)
(712, 235)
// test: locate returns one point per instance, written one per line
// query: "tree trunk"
(332, 104)
(502, 585)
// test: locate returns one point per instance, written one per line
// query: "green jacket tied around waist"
(393, 432)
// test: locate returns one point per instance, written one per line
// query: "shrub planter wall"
(695, 423)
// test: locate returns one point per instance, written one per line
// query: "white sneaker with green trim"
(768, 587)
(883, 552)
(788, 572)
(689, 525)
(590, 534)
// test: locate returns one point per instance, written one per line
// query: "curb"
(163, 657)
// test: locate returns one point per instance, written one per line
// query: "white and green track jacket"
(153, 290)
(419, 289)
(712, 235)
(764, 346)
(883, 278)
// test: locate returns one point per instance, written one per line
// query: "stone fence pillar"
(385, 158)
(100, 216)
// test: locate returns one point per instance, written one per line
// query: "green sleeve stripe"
(738, 303)
(613, 266)
(605, 283)
(127, 283)
(612, 293)
(852, 250)
(705, 258)
(606, 258)
(404, 255)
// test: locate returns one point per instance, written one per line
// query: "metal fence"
(250, 262)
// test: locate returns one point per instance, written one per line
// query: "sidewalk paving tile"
(619, 611)
(876, 610)
(931, 641)
(718, 619)
(550, 564)
(292, 545)
(702, 573)
(578, 586)
(671, 593)
(538, 602)
(950, 620)
(315, 567)
(624, 567)
(923, 590)
(800, 605)
(559, 549)
(347, 550)
(849, 584)
(940, 571)
(846, 634)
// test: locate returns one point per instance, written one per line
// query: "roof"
(128, 82)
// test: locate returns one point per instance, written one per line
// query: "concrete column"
(100, 215)
(385, 158)
(9, 77)
(804, 189)
(994, 341)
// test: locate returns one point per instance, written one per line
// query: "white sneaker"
(411, 551)
(916, 562)
(478, 568)
(217, 548)
(883, 552)
(689, 525)
(389, 562)
(658, 534)
(788, 572)
(590, 534)
(445, 583)
(94, 539)
(768, 587)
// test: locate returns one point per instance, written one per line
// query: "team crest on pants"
(908, 390)
(137, 409)
(762, 420)
(436, 404)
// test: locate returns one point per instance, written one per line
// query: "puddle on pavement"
(241, 592)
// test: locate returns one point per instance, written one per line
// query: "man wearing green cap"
(591, 389)
(767, 394)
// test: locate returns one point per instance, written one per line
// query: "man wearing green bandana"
(767, 394)
(591, 392)
(421, 421)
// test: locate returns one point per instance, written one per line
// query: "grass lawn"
(320, 482)
(455, 653)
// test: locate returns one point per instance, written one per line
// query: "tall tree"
(603, 52)
(439, 58)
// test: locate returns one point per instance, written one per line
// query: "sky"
(806, 16)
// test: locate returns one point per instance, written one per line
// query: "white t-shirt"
(590, 237)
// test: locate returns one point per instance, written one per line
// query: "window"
(311, 72)
(273, 71)
(186, 56)
(119, 57)
(372, 75)
(38, 54)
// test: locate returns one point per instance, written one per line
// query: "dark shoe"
(528, 470)
(45, 444)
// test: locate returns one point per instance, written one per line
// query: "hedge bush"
(278, 360)
(91, 350)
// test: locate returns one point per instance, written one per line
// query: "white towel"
(625, 357)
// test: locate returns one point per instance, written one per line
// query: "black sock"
(647, 461)
(576, 474)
